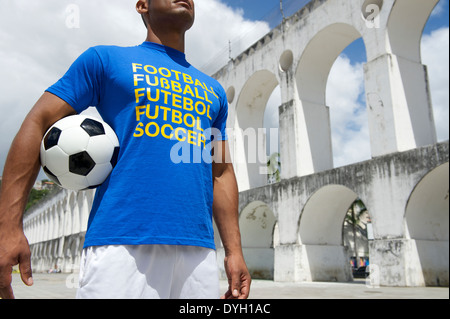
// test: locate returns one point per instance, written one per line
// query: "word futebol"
(226, 309)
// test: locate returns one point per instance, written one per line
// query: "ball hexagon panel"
(93, 127)
(74, 182)
(81, 163)
(112, 136)
(51, 138)
(100, 149)
(56, 160)
(115, 156)
(73, 140)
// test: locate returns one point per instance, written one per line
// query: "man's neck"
(172, 40)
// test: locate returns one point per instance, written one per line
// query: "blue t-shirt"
(165, 114)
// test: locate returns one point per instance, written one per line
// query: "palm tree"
(352, 218)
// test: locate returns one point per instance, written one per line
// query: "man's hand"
(238, 278)
(226, 215)
(14, 249)
(20, 172)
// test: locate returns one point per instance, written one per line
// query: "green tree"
(36, 196)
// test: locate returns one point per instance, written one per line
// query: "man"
(150, 229)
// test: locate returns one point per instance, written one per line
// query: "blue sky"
(268, 10)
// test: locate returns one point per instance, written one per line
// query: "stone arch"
(324, 257)
(427, 227)
(427, 211)
(405, 27)
(311, 76)
(257, 223)
(323, 214)
(318, 57)
(250, 145)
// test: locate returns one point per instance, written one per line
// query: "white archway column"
(305, 133)
(398, 95)
(399, 105)
(250, 138)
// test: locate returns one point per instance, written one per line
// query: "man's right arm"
(20, 172)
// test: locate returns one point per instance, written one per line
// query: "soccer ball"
(79, 152)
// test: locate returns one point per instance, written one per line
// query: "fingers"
(227, 294)
(6, 291)
(25, 269)
(239, 279)
(235, 286)
(14, 249)
(239, 288)
(245, 289)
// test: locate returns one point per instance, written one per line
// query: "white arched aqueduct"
(55, 230)
(298, 56)
(292, 230)
(306, 237)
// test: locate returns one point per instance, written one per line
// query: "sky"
(39, 40)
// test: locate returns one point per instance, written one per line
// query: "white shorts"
(148, 272)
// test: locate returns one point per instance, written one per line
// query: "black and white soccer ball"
(79, 152)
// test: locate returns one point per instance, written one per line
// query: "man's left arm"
(226, 216)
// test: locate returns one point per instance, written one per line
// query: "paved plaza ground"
(63, 286)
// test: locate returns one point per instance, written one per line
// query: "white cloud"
(208, 41)
(37, 45)
(435, 55)
(349, 123)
